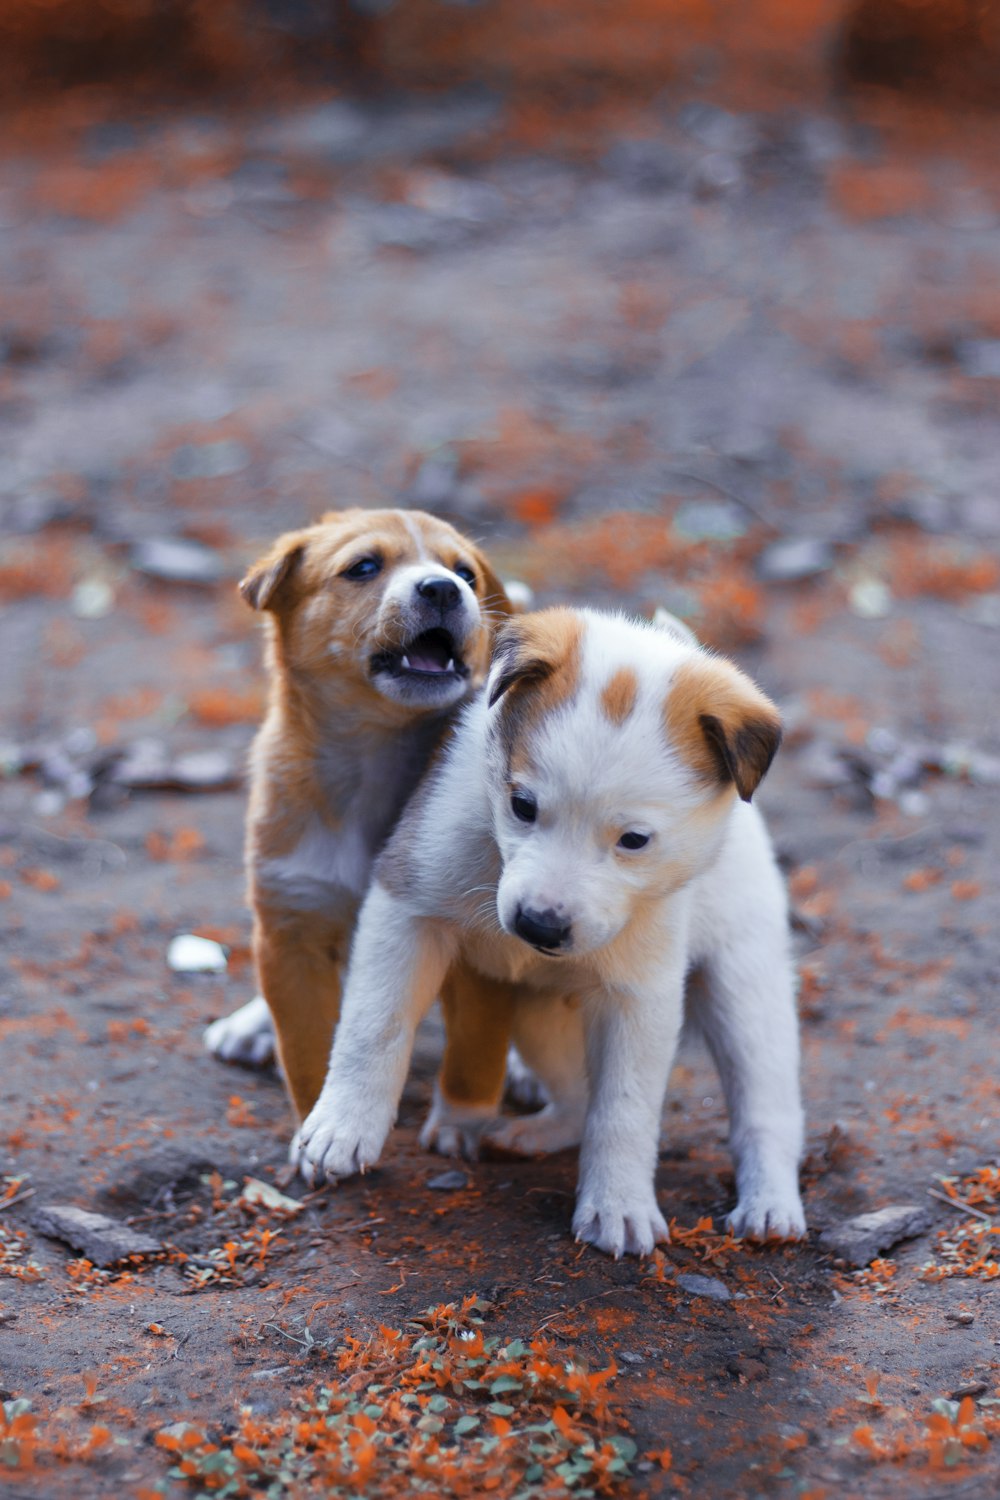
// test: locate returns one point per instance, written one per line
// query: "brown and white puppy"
(588, 837)
(379, 626)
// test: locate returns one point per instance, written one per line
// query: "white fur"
(245, 1036)
(703, 900)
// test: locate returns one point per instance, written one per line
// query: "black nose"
(542, 929)
(440, 591)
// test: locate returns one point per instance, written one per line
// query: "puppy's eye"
(365, 567)
(633, 840)
(463, 572)
(523, 806)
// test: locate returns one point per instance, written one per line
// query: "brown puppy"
(379, 626)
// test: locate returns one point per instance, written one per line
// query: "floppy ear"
(722, 723)
(533, 648)
(268, 584)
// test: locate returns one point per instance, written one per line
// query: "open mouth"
(433, 653)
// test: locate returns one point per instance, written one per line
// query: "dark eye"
(463, 572)
(365, 567)
(523, 806)
(633, 841)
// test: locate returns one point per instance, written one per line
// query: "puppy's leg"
(298, 964)
(477, 1015)
(548, 1033)
(744, 1004)
(631, 1040)
(245, 1036)
(398, 963)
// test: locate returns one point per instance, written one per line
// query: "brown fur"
(619, 694)
(722, 724)
(539, 661)
(295, 783)
(478, 1016)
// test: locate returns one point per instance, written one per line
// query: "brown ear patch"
(722, 724)
(619, 694)
(268, 583)
(537, 666)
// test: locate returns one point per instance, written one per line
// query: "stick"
(18, 1198)
(960, 1205)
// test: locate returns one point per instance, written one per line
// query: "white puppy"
(588, 836)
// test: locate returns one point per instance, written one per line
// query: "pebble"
(102, 1240)
(189, 954)
(704, 1286)
(793, 559)
(177, 560)
(709, 520)
(448, 1182)
(92, 599)
(860, 1239)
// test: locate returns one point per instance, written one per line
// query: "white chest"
(327, 868)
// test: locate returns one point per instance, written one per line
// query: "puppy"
(588, 836)
(379, 626)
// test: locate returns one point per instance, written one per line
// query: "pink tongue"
(427, 658)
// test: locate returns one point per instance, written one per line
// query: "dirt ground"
(640, 354)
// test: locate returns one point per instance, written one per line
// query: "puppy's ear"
(534, 648)
(270, 582)
(722, 724)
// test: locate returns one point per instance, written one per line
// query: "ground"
(638, 352)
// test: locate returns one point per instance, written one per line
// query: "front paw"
(620, 1225)
(768, 1216)
(245, 1037)
(454, 1129)
(334, 1142)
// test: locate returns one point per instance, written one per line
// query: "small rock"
(970, 1388)
(103, 1241)
(92, 599)
(177, 560)
(704, 1286)
(860, 1239)
(189, 954)
(963, 1318)
(870, 598)
(203, 771)
(146, 766)
(448, 1182)
(794, 559)
(716, 174)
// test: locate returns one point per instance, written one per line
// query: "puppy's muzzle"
(544, 930)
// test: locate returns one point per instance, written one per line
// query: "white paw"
(522, 1087)
(620, 1226)
(454, 1129)
(768, 1216)
(334, 1142)
(551, 1129)
(246, 1036)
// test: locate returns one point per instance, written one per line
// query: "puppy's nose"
(542, 929)
(440, 591)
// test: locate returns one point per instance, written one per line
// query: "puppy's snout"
(441, 592)
(542, 929)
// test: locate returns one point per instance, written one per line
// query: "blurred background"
(689, 303)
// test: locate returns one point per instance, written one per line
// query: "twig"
(567, 1311)
(960, 1205)
(17, 1198)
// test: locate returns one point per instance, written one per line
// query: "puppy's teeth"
(451, 664)
(406, 663)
